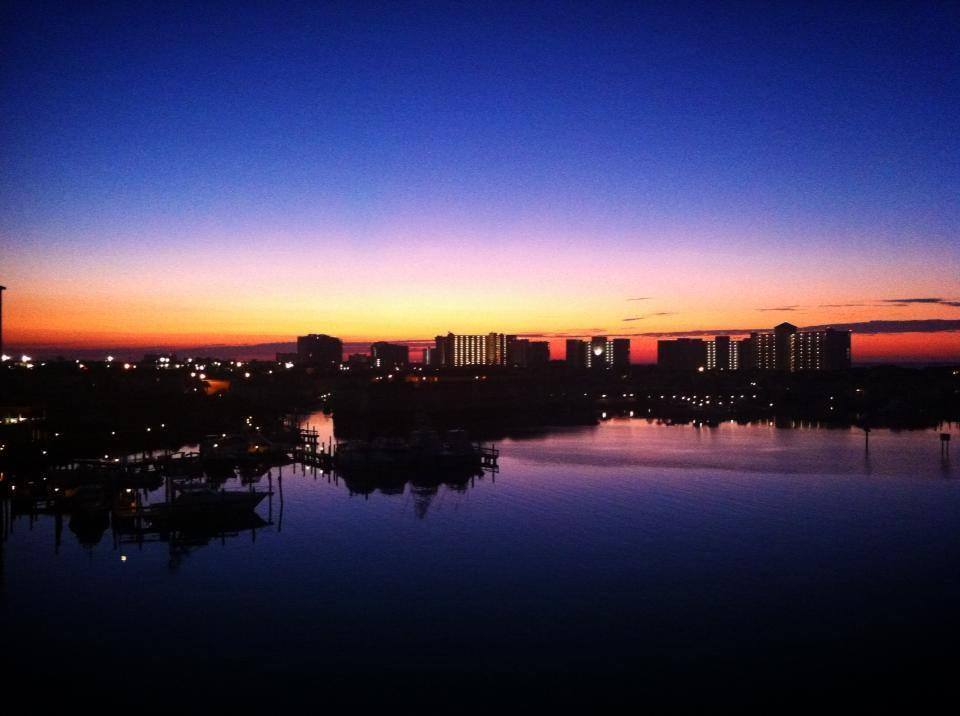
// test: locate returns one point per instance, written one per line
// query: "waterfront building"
(577, 353)
(518, 352)
(524, 353)
(723, 354)
(619, 352)
(538, 353)
(786, 348)
(820, 350)
(682, 354)
(455, 350)
(598, 352)
(319, 349)
(389, 355)
(358, 360)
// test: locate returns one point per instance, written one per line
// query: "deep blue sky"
(824, 125)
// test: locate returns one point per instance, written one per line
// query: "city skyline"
(194, 176)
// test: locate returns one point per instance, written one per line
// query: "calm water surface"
(740, 550)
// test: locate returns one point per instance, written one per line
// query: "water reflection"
(622, 547)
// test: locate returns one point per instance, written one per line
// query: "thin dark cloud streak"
(904, 302)
(875, 327)
(650, 315)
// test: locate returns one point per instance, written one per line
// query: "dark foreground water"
(629, 561)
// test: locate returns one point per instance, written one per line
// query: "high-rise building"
(389, 355)
(577, 351)
(786, 348)
(523, 353)
(598, 352)
(518, 352)
(682, 354)
(723, 354)
(538, 353)
(820, 350)
(598, 355)
(320, 350)
(783, 337)
(619, 352)
(454, 350)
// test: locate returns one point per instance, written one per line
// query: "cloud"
(842, 305)
(929, 325)
(904, 302)
(780, 308)
(650, 315)
(641, 298)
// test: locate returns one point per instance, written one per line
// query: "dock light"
(126, 366)
(148, 430)
(163, 425)
(700, 369)
(109, 359)
(106, 457)
(288, 365)
(123, 558)
(246, 375)
(25, 359)
(113, 432)
(216, 445)
(129, 490)
(203, 376)
(4, 358)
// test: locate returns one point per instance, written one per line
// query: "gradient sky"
(233, 173)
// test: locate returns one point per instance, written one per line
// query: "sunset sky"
(221, 174)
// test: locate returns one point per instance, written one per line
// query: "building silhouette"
(320, 350)
(455, 350)
(576, 355)
(723, 353)
(598, 352)
(785, 348)
(538, 353)
(682, 354)
(619, 352)
(524, 353)
(389, 355)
